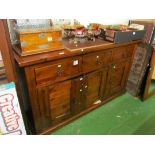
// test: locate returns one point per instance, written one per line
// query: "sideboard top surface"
(69, 50)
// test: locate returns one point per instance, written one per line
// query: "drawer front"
(58, 70)
(96, 60)
(118, 53)
(107, 57)
(129, 51)
(122, 52)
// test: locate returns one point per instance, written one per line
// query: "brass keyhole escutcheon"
(59, 70)
(59, 66)
(98, 59)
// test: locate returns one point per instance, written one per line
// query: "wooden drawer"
(96, 60)
(122, 52)
(129, 51)
(118, 53)
(58, 70)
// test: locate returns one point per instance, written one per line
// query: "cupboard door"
(77, 95)
(54, 102)
(117, 77)
(59, 99)
(92, 88)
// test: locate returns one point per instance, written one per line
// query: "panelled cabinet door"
(92, 88)
(78, 103)
(117, 77)
(59, 99)
(54, 103)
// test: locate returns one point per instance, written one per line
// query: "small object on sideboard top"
(33, 41)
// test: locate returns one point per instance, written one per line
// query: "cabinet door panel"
(54, 102)
(117, 76)
(92, 87)
(77, 95)
(59, 100)
(104, 83)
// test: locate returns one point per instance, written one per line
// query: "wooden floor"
(124, 115)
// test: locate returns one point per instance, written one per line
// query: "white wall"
(103, 21)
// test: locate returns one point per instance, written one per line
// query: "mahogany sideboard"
(65, 84)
